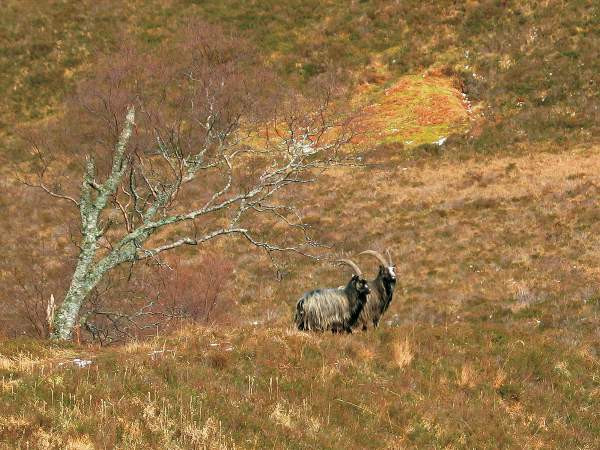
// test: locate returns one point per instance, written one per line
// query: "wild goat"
(382, 290)
(335, 309)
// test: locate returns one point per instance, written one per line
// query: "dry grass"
(466, 383)
(491, 340)
(402, 353)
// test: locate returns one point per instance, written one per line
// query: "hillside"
(490, 342)
(524, 376)
(492, 338)
(534, 67)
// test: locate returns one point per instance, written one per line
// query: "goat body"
(335, 309)
(378, 301)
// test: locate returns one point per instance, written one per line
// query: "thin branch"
(148, 253)
(275, 248)
(124, 214)
(50, 192)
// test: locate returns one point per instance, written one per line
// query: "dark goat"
(335, 309)
(382, 290)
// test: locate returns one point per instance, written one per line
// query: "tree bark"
(87, 274)
(66, 317)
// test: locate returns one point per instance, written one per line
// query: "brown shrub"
(197, 288)
(146, 300)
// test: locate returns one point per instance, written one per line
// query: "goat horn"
(351, 264)
(389, 255)
(377, 255)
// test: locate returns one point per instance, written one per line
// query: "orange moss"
(415, 108)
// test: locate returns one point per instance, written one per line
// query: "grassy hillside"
(508, 381)
(533, 66)
(492, 338)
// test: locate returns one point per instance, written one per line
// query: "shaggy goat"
(382, 290)
(335, 309)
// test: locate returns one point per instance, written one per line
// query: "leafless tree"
(195, 138)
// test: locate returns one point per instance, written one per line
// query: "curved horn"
(357, 271)
(377, 255)
(389, 255)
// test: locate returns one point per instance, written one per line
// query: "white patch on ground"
(82, 362)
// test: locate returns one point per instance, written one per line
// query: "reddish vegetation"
(200, 290)
(436, 110)
(404, 110)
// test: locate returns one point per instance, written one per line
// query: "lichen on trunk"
(87, 273)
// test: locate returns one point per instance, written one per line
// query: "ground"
(491, 340)
(479, 138)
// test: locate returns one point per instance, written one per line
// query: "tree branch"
(119, 165)
(148, 253)
(50, 192)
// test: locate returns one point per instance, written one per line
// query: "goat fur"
(335, 309)
(378, 301)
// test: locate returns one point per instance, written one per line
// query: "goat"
(382, 290)
(335, 309)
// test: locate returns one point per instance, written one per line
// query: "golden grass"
(468, 376)
(402, 353)
(280, 386)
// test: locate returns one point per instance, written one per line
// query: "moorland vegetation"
(477, 127)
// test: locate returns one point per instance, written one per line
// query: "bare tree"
(202, 144)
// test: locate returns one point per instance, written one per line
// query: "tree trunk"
(81, 285)
(67, 315)
(87, 275)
